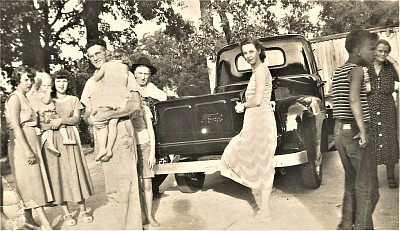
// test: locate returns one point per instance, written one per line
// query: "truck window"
(275, 57)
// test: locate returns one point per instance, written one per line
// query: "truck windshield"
(283, 59)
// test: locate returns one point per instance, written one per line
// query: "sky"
(189, 11)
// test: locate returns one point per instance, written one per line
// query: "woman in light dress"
(25, 156)
(248, 158)
(69, 174)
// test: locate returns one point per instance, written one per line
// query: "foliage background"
(33, 32)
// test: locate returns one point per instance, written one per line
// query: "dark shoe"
(392, 183)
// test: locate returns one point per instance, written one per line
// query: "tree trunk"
(205, 13)
(31, 48)
(91, 11)
(225, 26)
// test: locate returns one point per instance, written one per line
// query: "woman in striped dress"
(248, 158)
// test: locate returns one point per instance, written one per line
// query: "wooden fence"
(330, 52)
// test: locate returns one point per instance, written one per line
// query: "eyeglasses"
(95, 55)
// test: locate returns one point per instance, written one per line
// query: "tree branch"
(70, 24)
(60, 6)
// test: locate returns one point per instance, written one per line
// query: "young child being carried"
(115, 94)
(41, 100)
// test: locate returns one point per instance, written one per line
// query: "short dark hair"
(384, 42)
(256, 44)
(93, 42)
(357, 37)
(15, 79)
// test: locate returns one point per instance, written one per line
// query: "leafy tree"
(178, 62)
(297, 21)
(32, 34)
(343, 16)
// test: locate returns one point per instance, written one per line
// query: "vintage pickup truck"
(196, 129)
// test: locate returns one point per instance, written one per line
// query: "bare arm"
(72, 120)
(394, 63)
(45, 96)
(131, 106)
(152, 157)
(14, 106)
(356, 77)
(99, 74)
(261, 78)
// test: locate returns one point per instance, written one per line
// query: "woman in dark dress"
(383, 76)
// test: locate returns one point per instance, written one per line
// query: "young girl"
(40, 97)
(114, 73)
(69, 173)
(145, 141)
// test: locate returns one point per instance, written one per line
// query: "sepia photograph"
(231, 114)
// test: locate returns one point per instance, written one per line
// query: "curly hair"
(15, 78)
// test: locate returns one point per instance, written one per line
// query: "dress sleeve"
(77, 103)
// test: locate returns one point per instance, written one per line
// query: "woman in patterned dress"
(69, 174)
(25, 156)
(383, 75)
(248, 158)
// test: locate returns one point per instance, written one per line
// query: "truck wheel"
(312, 171)
(190, 182)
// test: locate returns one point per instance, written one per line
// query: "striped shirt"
(340, 94)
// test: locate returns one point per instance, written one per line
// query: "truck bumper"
(212, 166)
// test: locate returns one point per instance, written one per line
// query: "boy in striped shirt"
(351, 114)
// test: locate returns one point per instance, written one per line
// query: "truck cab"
(197, 129)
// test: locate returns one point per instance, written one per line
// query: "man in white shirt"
(143, 70)
(122, 186)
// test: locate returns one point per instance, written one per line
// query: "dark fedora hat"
(143, 61)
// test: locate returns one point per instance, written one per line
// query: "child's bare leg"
(112, 136)
(43, 218)
(30, 222)
(50, 143)
(148, 196)
(66, 139)
(101, 135)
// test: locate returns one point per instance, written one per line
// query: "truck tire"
(312, 171)
(190, 182)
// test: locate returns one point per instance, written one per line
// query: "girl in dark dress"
(383, 76)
